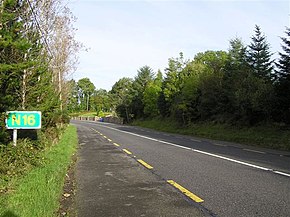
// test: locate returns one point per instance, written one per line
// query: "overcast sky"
(123, 36)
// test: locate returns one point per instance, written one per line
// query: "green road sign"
(23, 120)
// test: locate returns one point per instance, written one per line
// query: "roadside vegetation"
(34, 183)
(38, 53)
(240, 95)
(261, 136)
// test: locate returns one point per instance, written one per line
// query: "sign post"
(14, 137)
(22, 120)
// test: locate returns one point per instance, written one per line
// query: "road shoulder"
(110, 183)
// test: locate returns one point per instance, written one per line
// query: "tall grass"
(38, 192)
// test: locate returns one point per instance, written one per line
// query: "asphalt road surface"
(230, 179)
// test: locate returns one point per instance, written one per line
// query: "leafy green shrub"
(16, 160)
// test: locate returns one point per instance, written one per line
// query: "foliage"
(259, 56)
(142, 80)
(47, 169)
(123, 93)
(37, 51)
(17, 160)
(236, 87)
(282, 108)
(85, 91)
(151, 95)
(101, 102)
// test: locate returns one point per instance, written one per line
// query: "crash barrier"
(108, 119)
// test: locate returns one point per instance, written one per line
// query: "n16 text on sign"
(23, 120)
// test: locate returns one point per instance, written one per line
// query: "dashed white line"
(218, 144)
(195, 140)
(251, 150)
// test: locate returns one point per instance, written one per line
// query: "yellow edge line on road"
(95, 130)
(126, 151)
(116, 144)
(185, 191)
(102, 135)
(145, 164)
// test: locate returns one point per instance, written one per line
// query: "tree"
(283, 81)
(72, 104)
(209, 97)
(173, 83)
(14, 46)
(215, 61)
(283, 63)
(151, 95)
(123, 93)
(86, 89)
(144, 77)
(64, 49)
(246, 97)
(28, 66)
(259, 56)
(101, 101)
(237, 54)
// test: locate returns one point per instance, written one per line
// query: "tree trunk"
(24, 86)
(60, 88)
(88, 98)
(127, 115)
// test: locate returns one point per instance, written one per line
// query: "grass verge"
(38, 192)
(262, 136)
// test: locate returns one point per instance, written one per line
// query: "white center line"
(205, 153)
(251, 150)
(195, 140)
(218, 144)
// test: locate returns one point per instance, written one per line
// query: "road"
(231, 179)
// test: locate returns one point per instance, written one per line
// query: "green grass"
(263, 136)
(38, 192)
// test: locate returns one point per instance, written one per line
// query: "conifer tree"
(237, 53)
(283, 80)
(283, 63)
(13, 47)
(259, 55)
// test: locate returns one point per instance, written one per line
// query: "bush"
(16, 160)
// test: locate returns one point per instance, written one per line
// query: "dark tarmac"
(111, 183)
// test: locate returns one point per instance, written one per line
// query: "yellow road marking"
(101, 134)
(116, 144)
(105, 137)
(128, 152)
(145, 164)
(95, 130)
(185, 191)
(109, 140)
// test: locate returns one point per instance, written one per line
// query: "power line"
(39, 28)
